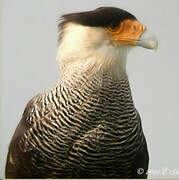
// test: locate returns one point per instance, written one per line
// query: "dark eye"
(113, 26)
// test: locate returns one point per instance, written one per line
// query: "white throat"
(85, 48)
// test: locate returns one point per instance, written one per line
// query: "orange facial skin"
(127, 33)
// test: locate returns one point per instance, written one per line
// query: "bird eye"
(113, 27)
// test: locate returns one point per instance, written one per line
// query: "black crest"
(100, 17)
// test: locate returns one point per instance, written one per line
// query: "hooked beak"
(147, 42)
(130, 32)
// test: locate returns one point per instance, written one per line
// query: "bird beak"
(147, 42)
(130, 33)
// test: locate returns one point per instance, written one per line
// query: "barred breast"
(84, 127)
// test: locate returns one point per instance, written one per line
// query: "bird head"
(100, 38)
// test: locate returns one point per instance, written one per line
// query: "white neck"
(90, 49)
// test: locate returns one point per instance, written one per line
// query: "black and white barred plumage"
(86, 126)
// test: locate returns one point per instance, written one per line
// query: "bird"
(86, 125)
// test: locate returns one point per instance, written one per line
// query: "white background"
(28, 66)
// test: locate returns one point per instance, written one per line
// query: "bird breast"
(84, 122)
